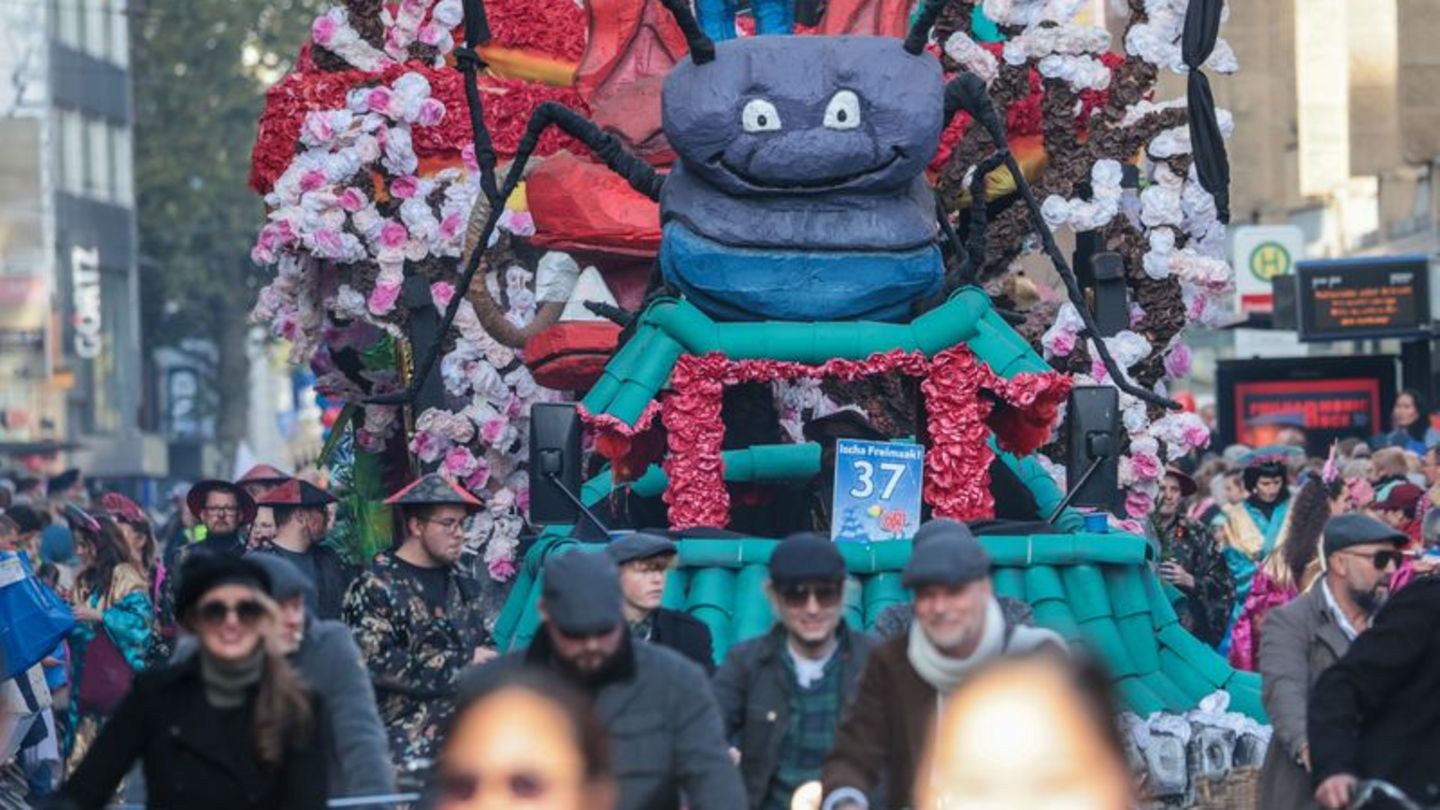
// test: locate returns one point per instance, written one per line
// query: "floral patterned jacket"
(414, 654)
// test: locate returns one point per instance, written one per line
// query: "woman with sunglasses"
(231, 728)
(524, 739)
(114, 621)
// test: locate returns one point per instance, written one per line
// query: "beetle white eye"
(760, 115)
(843, 111)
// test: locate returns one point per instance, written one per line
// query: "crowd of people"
(234, 659)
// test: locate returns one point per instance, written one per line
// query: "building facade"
(70, 354)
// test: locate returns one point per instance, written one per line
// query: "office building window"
(99, 182)
(119, 31)
(66, 16)
(123, 159)
(97, 16)
(71, 154)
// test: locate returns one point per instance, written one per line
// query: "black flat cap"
(1355, 529)
(205, 571)
(581, 595)
(286, 579)
(945, 554)
(638, 546)
(806, 557)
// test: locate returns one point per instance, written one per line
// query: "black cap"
(638, 546)
(947, 554)
(806, 557)
(581, 595)
(25, 517)
(205, 571)
(1355, 529)
(286, 579)
(63, 481)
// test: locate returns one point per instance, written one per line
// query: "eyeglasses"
(826, 595)
(1381, 559)
(461, 787)
(448, 524)
(248, 611)
(222, 510)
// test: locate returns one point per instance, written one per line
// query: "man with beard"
(645, 561)
(1255, 526)
(663, 723)
(302, 517)
(781, 694)
(1374, 715)
(1301, 640)
(1191, 562)
(958, 626)
(224, 510)
(417, 619)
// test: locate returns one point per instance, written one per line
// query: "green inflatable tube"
(753, 617)
(881, 591)
(712, 592)
(1085, 589)
(1185, 677)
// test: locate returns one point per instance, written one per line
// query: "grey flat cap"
(638, 546)
(1355, 529)
(946, 555)
(806, 557)
(581, 595)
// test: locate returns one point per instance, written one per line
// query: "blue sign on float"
(877, 491)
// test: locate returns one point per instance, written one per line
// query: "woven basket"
(1239, 790)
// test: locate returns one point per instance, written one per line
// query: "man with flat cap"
(645, 561)
(781, 695)
(302, 517)
(416, 618)
(664, 727)
(1299, 641)
(958, 626)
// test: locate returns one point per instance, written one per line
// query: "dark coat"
(1298, 642)
(882, 736)
(357, 751)
(189, 761)
(332, 576)
(754, 686)
(686, 635)
(1375, 714)
(664, 727)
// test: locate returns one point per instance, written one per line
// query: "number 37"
(864, 487)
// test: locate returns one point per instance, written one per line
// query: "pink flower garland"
(957, 477)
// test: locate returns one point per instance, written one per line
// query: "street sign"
(1259, 253)
(1377, 297)
(877, 490)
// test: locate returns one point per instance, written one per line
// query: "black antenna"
(920, 31)
(702, 50)
(468, 61)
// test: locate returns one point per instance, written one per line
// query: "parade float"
(474, 209)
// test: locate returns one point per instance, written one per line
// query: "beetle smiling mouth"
(815, 184)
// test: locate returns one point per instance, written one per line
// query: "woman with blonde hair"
(231, 728)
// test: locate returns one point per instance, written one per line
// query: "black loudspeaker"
(1112, 296)
(554, 463)
(1092, 470)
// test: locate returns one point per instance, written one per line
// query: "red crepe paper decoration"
(965, 402)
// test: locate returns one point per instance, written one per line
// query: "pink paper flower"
(383, 297)
(393, 235)
(378, 100)
(313, 179)
(351, 199)
(502, 569)
(452, 226)
(1195, 436)
(477, 480)
(492, 430)
(459, 462)
(432, 112)
(428, 446)
(1145, 466)
(404, 187)
(441, 292)
(1137, 504)
(323, 30)
(1177, 361)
